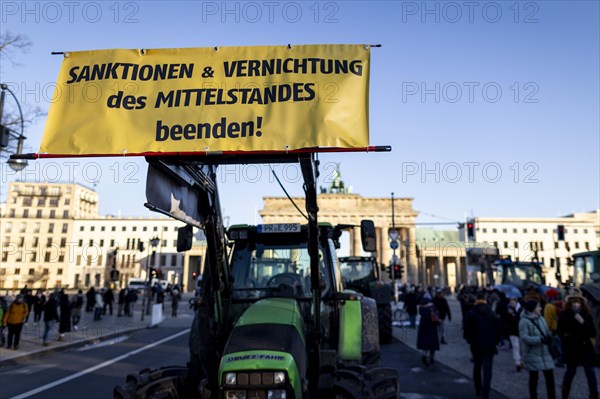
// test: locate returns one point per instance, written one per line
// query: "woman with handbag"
(536, 338)
(576, 328)
(427, 334)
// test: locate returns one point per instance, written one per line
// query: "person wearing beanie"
(576, 330)
(536, 337)
(483, 329)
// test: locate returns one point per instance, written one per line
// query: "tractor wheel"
(163, 383)
(384, 313)
(359, 382)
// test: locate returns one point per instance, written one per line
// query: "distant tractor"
(586, 276)
(362, 274)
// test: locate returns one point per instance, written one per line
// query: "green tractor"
(362, 274)
(586, 276)
(273, 320)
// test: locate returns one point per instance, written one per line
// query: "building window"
(155, 228)
(576, 245)
(78, 261)
(63, 242)
(11, 213)
(587, 245)
(525, 231)
(173, 260)
(545, 231)
(112, 243)
(23, 227)
(49, 242)
(8, 227)
(541, 245)
(494, 230)
(535, 230)
(53, 214)
(584, 231)
(38, 214)
(134, 228)
(92, 228)
(36, 241)
(51, 228)
(54, 202)
(145, 228)
(102, 228)
(175, 228)
(124, 228)
(67, 201)
(33, 257)
(102, 242)
(36, 227)
(91, 243)
(175, 243)
(27, 201)
(89, 260)
(81, 228)
(484, 230)
(65, 228)
(506, 244)
(113, 228)
(65, 214)
(163, 243)
(31, 272)
(516, 243)
(17, 271)
(80, 243)
(42, 202)
(21, 241)
(163, 260)
(59, 271)
(165, 228)
(555, 244)
(26, 213)
(100, 260)
(47, 257)
(574, 231)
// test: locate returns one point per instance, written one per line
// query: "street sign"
(393, 233)
(394, 244)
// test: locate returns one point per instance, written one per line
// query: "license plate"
(278, 228)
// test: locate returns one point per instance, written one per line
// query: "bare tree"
(15, 116)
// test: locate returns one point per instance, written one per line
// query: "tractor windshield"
(270, 269)
(353, 270)
(519, 276)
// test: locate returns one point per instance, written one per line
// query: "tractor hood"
(270, 326)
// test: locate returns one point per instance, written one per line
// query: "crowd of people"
(58, 308)
(543, 331)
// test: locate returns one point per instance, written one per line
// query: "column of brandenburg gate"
(345, 208)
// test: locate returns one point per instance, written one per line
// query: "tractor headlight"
(235, 394)
(230, 379)
(276, 394)
(279, 377)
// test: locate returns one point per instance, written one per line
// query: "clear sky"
(491, 108)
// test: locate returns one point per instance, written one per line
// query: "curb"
(45, 350)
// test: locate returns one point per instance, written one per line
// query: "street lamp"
(15, 164)
(147, 295)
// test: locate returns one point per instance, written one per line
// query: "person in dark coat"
(38, 306)
(50, 317)
(511, 330)
(29, 300)
(411, 301)
(121, 303)
(109, 298)
(64, 324)
(576, 328)
(427, 334)
(90, 300)
(483, 330)
(441, 304)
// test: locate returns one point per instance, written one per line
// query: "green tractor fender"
(359, 331)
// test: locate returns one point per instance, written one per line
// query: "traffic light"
(114, 275)
(194, 275)
(398, 270)
(114, 259)
(470, 229)
(560, 232)
(158, 273)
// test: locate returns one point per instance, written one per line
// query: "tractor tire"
(163, 383)
(384, 313)
(360, 382)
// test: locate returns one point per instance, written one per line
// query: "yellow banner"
(276, 98)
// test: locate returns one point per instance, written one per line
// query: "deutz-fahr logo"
(254, 357)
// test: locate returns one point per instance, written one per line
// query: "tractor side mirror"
(368, 236)
(185, 235)
(595, 277)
